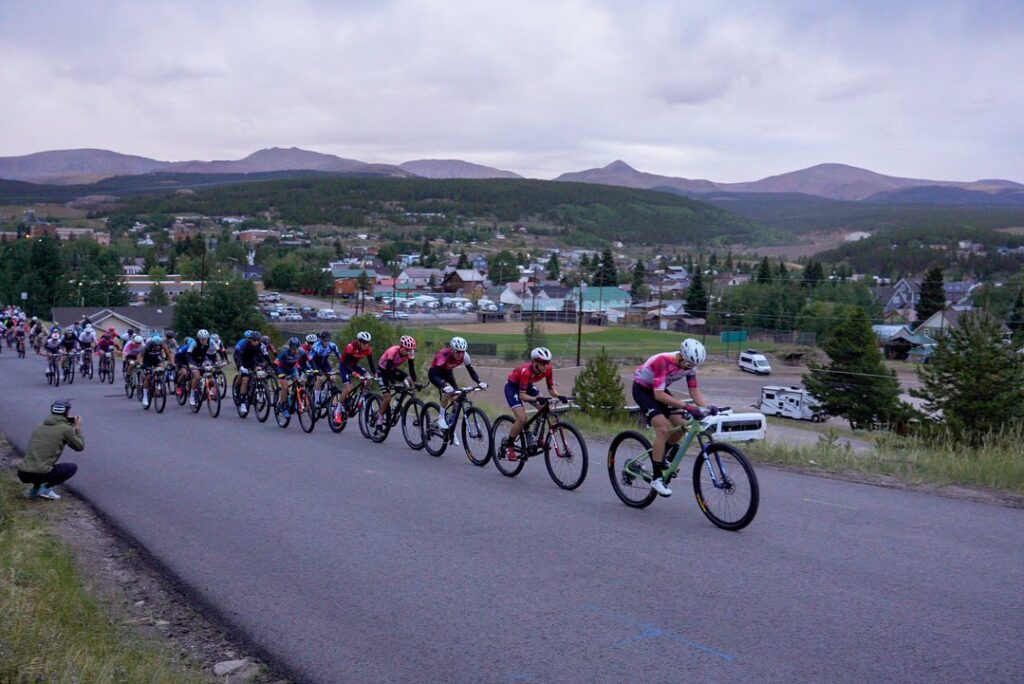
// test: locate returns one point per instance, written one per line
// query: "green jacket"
(48, 442)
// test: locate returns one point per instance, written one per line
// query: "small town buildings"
(144, 319)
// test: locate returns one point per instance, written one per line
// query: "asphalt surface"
(353, 562)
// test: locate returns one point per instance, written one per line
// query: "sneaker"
(145, 397)
(47, 493)
(192, 399)
(32, 493)
(455, 440)
(659, 486)
(243, 408)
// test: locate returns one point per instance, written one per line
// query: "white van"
(754, 362)
(790, 402)
(326, 315)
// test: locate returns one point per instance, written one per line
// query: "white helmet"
(693, 351)
(137, 339)
(541, 354)
(459, 344)
(364, 336)
(311, 338)
(203, 334)
(214, 337)
(88, 326)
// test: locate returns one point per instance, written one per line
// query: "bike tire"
(499, 438)
(373, 404)
(476, 436)
(434, 438)
(306, 408)
(70, 377)
(213, 401)
(199, 399)
(159, 399)
(261, 401)
(336, 419)
(110, 373)
(360, 413)
(631, 489)
(720, 504)
(566, 462)
(222, 382)
(58, 372)
(412, 423)
(279, 415)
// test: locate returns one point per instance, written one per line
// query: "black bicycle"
(476, 427)
(67, 366)
(106, 367)
(85, 362)
(564, 449)
(405, 407)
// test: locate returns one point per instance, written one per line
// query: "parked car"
(274, 316)
(754, 362)
(293, 317)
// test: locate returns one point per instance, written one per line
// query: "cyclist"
(50, 349)
(181, 375)
(650, 391)
(131, 351)
(391, 372)
(218, 348)
(197, 352)
(519, 388)
(442, 373)
(269, 349)
(289, 364)
(320, 353)
(36, 330)
(307, 346)
(355, 350)
(69, 343)
(86, 340)
(154, 355)
(249, 353)
(107, 344)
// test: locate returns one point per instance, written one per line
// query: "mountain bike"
(405, 406)
(476, 427)
(53, 370)
(208, 391)
(132, 381)
(106, 367)
(67, 366)
(565, 451)
(20, 346)
(85, 362)
(354, 406)
(156, 378)
(298, 401)
(724, 481)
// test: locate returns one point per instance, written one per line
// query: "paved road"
(353, 562)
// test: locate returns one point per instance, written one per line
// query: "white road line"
(834, 505)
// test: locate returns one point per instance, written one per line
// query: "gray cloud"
(701, 89)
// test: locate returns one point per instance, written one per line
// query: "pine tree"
(814, 275)
(638, 288)
(728, 261)
(697, 296)
(974, 382)
(158, 296)
(554, 268)
(856, 384)
(598, 388)
(764, 273)
(463, 261)
(712, 260)
(783, 273)
(933, 296)
(1015, 321)
(606, 274)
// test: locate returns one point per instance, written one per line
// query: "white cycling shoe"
(659, 486)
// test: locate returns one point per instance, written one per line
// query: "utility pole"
(579, 322)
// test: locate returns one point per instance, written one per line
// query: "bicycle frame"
(674, 454)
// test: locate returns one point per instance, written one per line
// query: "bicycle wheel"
(337, 419)
(213, 400)
(499, 437)
(87, 368)
(69, 372)
(200, 397)
(261, 401)
(110, 372)
(360, 414)
(434, 438)
(378, 433)
(476, 436)
(280, 416)
(58, 371)
(222, 383)
(129, 387)
(565, 455)
(102, 372)
(306, 409)
(629, 484)
(412, 423)
(159, 394)
(730, 498)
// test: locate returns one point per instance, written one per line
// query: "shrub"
(598, 387)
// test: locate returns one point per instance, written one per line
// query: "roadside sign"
(734, 336)
(24, 296)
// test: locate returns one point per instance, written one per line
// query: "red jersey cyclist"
(650, 391)
(355, 351)
(520, 388)
(442, 373)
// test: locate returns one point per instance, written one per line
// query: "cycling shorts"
(649, 406)
(292, 374)
(321, 363)
(393, 376)
(346, 373)
(512, 394)
(439, 377)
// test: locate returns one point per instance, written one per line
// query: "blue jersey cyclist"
(320, 354)
(249, 353)
(181, 365)
(198, 352)
(289, 363)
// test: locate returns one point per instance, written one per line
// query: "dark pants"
(61, 473)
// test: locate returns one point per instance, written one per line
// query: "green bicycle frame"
(694, 429)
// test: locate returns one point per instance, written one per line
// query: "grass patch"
(998, 463)
(51, 629)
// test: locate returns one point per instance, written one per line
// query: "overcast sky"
(728, 91)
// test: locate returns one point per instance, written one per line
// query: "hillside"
(933, 194)
(578, 213)
(453, 168)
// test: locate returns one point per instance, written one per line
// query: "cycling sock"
(658, 467)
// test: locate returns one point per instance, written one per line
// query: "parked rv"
(753, 361)
(790, 402)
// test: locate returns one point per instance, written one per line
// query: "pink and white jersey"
(394, 357)
(450, 359)
(661, 370)
(132, 349)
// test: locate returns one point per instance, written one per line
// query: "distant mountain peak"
(620, 166)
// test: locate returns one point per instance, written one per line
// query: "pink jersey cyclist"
(661, 370)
